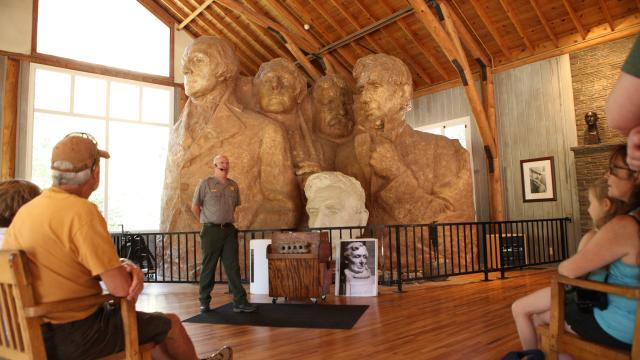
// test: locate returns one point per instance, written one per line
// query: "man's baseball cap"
(78, 148)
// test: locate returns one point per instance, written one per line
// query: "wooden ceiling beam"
(343, 70)
(545, 23)
(574, 18)
(220, 15)
(491, 27)
(158, 11)
(317, 7)
(423, 49)
(246, 66)
(290, 42)
(345, 58)
(212, 30)
(403, 54)
(444, 39)
(467, 39)
(511, 13)
(195, 13)
(266, 22)
(607, 14)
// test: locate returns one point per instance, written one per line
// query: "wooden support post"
(496, 196)
(10, 119)
(484, 114)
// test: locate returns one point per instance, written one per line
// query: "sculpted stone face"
(278, 86)
(383, 90)
(333, 103)
(200, 71)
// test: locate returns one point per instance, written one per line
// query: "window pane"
(156, 105)
(136, 174)
(48, 129)
(124, 101)
(457, 132)
(95, 31)
(90, 96)
(52, 90)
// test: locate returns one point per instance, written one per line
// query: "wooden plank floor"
(462, 318)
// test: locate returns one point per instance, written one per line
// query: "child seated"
(533, 309)
(14, 194)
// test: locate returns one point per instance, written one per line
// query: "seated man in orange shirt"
(70, 250)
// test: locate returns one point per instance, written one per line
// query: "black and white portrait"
(538, 179)
(357, 274)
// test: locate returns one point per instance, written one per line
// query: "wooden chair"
(21, 317)
(554, 339)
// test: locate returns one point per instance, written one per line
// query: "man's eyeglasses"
(621, 172)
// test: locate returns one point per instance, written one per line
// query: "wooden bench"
(21, 316)
(554, 339)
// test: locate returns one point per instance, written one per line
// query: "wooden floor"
(462, 318)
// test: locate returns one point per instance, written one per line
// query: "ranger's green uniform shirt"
(218, 200)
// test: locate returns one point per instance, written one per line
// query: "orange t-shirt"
(68, 246)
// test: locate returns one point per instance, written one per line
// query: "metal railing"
(405, 252)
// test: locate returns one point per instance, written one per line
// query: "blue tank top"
(619, 317)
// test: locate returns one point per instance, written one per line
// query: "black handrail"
(408, 252)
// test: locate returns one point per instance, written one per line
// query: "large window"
(129, 119)
(117, 33)
(457, 129)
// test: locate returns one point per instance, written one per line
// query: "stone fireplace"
(591, 163)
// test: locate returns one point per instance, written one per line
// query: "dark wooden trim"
(10, 119)
(64, 63)
(34, 27)
(172, 50)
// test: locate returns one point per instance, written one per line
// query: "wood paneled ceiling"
(508, 33)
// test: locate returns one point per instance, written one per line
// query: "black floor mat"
(319, 316)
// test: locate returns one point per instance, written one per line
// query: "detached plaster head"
(280, 86)
(335, 199)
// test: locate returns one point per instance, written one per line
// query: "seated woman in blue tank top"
(617, 246)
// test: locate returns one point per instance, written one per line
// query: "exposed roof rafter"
(545, 23)
(491, 27)
(511, 13)
(574, 18)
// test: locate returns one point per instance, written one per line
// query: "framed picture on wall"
(538, 179)
(356, 264)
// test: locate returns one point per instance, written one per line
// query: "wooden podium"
(299, 265)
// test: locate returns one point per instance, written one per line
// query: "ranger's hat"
(78, 148)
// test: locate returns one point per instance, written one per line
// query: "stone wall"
(594, 71)
(591, 163)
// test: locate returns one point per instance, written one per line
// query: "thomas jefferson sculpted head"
(280, 86)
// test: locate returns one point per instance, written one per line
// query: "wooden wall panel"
(3, 65)
(534, 106)
(448, 105)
